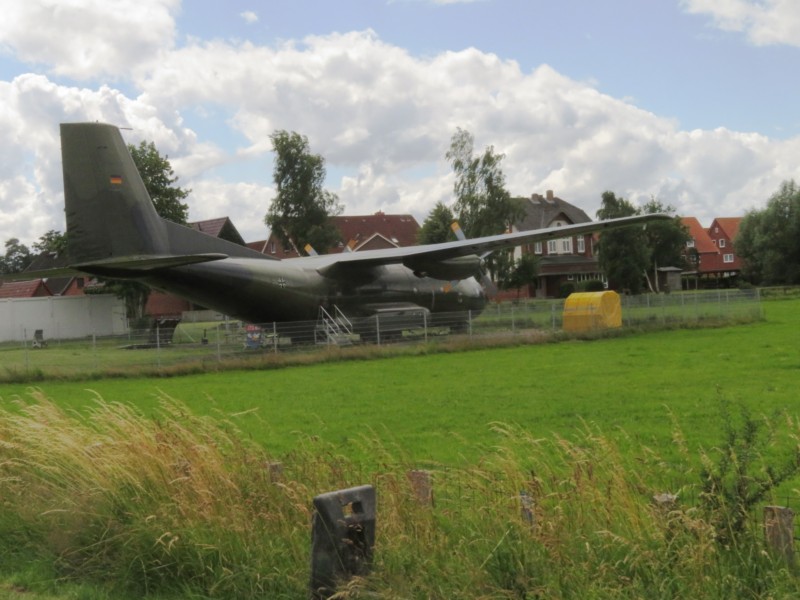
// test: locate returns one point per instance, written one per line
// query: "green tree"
(769, 239)
(483, 206)
(436, 227)
(300, 213)
(623, 253)
(160, 179)
(665, 240)
(52, 242)
(525, 272)
(16, 258)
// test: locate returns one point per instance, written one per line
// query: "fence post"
(275, 337)
(25, 345)
(342, 538)
(779, 532)
(513, 324)
(469, 320)
(526, 508)
(378, 329)
(425, 325)
(422, 486)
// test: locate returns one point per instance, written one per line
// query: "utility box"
(342, 538)
(588, 311)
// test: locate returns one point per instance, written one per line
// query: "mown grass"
(437, 405)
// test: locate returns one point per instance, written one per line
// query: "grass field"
(632, 393)
(439, 407)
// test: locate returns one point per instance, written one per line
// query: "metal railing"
(216, 341)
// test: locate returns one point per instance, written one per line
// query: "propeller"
(489, 286)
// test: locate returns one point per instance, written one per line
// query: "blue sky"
(690, 101)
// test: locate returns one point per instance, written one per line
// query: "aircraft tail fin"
(111, 220)
(109, 212)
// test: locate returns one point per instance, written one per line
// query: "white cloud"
(249, 16)
(382, 118)
(763, 21)
(88, 39)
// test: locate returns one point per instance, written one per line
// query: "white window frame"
(537, 248)
(566, 245)
(690, 243)
(727, 258)
(721, 242)
(552, 246)
(581, 244)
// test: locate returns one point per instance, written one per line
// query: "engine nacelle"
(460, 267)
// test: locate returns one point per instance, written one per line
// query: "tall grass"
(185, 506)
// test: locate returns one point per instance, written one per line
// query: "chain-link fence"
(171, 342)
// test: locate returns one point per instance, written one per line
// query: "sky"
(691, 102)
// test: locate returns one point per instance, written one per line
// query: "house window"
(690, 243)
(566, 245)
(581, 244)
(552, 247)
(537, 248)
(728, 258)
(721, 243)
(272, 247)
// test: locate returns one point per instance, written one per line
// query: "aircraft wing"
(461, 255)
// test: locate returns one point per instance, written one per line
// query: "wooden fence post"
(779, 532)
(422, 486)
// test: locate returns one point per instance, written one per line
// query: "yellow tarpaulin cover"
(584, 311)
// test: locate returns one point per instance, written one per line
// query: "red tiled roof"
(221, 227)
(24, 289)
(360, 231)
(730, 225)
(210, 227)
(400, 230)
(702, 242)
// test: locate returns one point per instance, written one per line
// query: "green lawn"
(440, 407)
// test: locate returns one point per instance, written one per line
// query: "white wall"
(62, 317)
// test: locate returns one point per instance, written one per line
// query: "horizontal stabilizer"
(141, 265)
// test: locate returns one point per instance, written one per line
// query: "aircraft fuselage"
(262, 291)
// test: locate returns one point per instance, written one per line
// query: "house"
(700, 251)
(711, 252)
(563, 261)
(33, 288)
(59, 286)
(358, 232)
(221, 228)
(726, 265)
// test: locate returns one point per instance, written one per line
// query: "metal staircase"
(333, 329)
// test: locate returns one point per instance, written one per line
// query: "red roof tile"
(24, 289)
(729, 225)
(702, 242)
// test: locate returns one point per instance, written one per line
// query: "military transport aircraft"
(113, 231)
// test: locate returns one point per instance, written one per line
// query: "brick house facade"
(569, 260)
